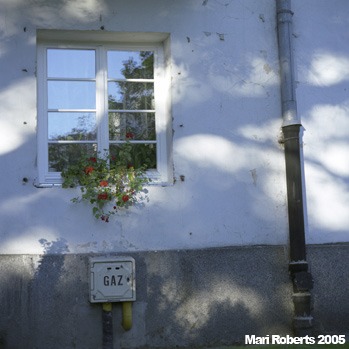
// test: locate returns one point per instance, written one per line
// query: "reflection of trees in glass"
(132, 97)
(135, 96)
(85, 130)
(60, 155)
(144, 70)
(142, 155)
(141, 125)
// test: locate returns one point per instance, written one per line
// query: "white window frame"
(102, 42)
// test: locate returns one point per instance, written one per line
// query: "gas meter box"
(112, 279)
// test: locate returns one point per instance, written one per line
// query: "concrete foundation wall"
(186, 298)
(329, 267)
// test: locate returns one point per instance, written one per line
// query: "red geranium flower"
(103, 183)
(125, 198)
(93, 159)
(103, 196)
(129, 135)
(89, 169)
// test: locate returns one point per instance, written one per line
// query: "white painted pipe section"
(288, 93)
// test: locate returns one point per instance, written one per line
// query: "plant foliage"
(107, 182)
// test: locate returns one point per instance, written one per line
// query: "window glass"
(60, 155)
(71, 94)
(72, 126)
(131, 95)
(130, 64)
(141, 155)
(65, 63)
(136, 126)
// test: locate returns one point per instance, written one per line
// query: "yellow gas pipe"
(107, 306)
(127, 315)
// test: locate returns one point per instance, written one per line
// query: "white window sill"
(55, 181)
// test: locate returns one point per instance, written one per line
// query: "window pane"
(60, 155)
(64, 63)
(130, 64)
(72, 126)
(142, 155)
(71, 95)
(137, 126)
(131, 95)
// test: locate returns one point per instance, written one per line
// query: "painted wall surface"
(226, 144)
(226, 126)
(322, 64)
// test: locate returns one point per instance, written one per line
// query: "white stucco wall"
(226, 122)
(322, 61)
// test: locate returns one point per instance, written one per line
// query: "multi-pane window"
(131, 108)
(71, 106)
(94, 98)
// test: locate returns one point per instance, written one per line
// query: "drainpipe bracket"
(297, 266)
(289, 123)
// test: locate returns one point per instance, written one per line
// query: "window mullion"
(42, 105)
(102, 99)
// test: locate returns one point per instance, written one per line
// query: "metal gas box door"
(112, 279)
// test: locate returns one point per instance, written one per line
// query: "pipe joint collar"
(284, 16)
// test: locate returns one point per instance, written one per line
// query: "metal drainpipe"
(298, 266)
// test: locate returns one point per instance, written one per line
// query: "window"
(92, 97)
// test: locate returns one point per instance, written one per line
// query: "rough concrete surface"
(187, 298)
(329, 267)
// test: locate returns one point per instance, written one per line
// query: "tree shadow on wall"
(217, 296)
(44, 291)
(60, 311)
(216, 328)
(29, 292)
(47, 301)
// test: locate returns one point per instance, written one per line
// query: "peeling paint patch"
(221, 36)
(267, 68)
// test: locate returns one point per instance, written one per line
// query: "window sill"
(56, 182)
